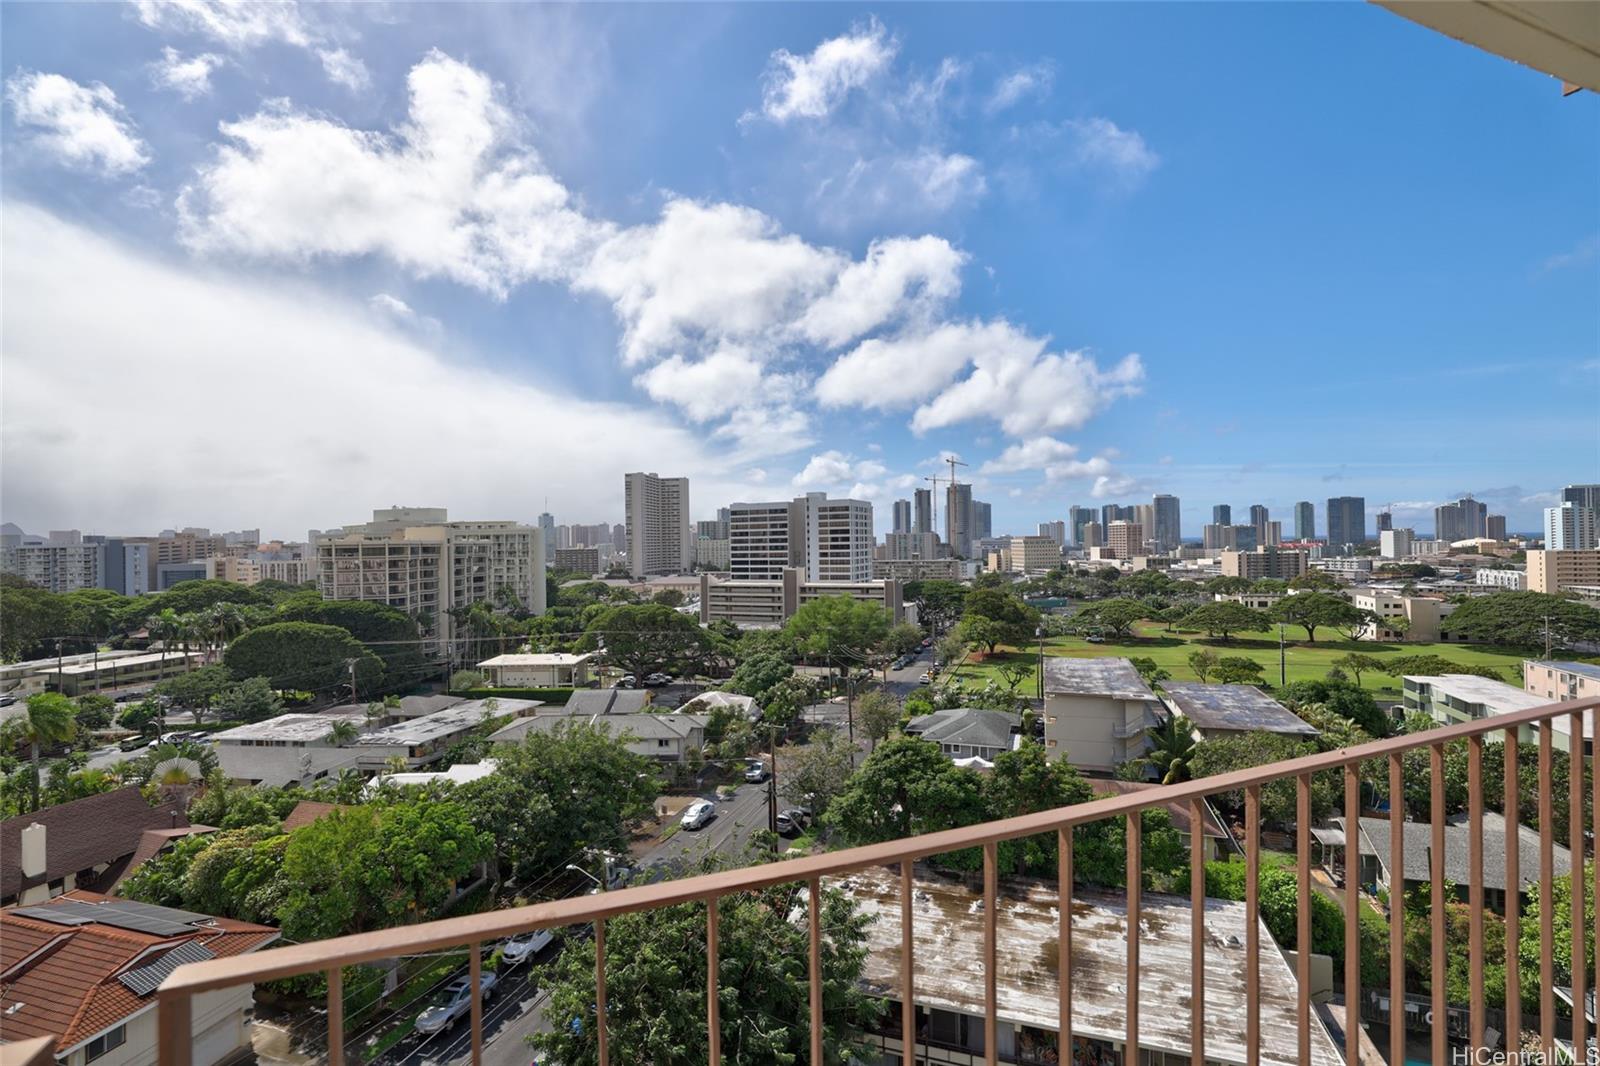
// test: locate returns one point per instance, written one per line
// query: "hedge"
(548, 695)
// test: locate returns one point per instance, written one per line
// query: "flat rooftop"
(1586, 669)
(448, 722)
(557, 658)
(293, 728)
(1234, 707)
(947, 917)
(1094, 677)
(1497, 696)
(108, 663)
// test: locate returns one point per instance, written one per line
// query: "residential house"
(968, 732)
(588, 702)
(82, 970)
(289, 749)
(548, 670)
(425, 740)
(89, 843)
(1217, 711)
(1096, 712)
(667, 738)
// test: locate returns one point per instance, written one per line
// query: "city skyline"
(951, 241)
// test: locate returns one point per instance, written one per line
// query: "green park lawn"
(1304, 661)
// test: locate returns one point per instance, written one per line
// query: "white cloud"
(81, 126)
(829, 468)
(1048, 391)
(811, 86)
(1033, 454)
(1113, 485)
(895, 372)
(1021, 83)
(344, 69)
(189, 77)
(476, 207)
(237, 24)
(899, 276)
(1099, 143)
(161, 321)
(401, 313)
(726, 382)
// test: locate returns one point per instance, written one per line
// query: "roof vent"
(33, 853)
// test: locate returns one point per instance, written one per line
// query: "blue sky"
(276, 265)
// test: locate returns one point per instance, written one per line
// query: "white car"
(519, 949)
(698, 814)
(453, 1001)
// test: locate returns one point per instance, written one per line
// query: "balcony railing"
(473, 931)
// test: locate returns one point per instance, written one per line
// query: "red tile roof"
(93, 831)
(307, 811)
(61, 981)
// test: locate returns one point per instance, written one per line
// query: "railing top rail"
(494, 925)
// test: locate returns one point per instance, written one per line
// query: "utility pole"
(1040, 634)
(1546, 639)
(58, 660)
(350, 664)
(772, 787)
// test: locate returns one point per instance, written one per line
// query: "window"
(107, 1041)
(663, 743)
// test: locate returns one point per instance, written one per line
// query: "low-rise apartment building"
(1558, 682)
(111, 674)
(576, 560)
(1256, 601)
(1452, 698)
(1557, 571)
(1264, 562)
(425, 740)
(1514, 580)
(771, 603)
(1096, 712)
(291, 749)
(1423, 615)
(1350, 567)
(948, 569)
(666, 738)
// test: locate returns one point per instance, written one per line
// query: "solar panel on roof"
(52, 914)
(122, 914)
(146, 979)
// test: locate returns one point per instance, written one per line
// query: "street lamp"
(580, 870)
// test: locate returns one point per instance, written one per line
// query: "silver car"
(699, 814)
(453, 1001)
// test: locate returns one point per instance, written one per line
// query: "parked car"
(927, 642)
(926, 678)
(519, 949)
(757, 773)
(133, 744)
(791, 822)
(453, 1001)
(1095, 638)
(699, 814)
(6, 701)
(656, 680)
(627, 681)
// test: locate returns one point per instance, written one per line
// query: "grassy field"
(1304, 661)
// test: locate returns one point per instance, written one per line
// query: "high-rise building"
(418, 561)
(659, 537)
(1463, 520)
(619, 537)
(1582, 495)
(900, 547)
(1305, 521)
(1168, 522)
(1395, 543)
(1258, 522)
(1347, 521)
(1111, 512)
(1272, 533)
(1222, 515)
(66, 561)
(1077, 519)
(1569, 528)
(1126, 540)
(1264, 562)
(563, 537)
(982, 520)
(902, 516)
(1056, 531)
(1092, 536)
(1494, 526)
(1384, 520)
(958, 522)
(831, 539)
(1249, 538)
(547, 526)
(922, 511)
(1216, 537)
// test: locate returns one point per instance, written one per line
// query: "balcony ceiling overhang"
(1559, 37)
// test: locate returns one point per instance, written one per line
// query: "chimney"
(33, 856)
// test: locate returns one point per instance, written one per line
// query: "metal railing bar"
(1302, 940)
(814, 914)
(1547, 1004)
(1436, 978)
(908, 1005)
(475, 972)
(1135, 883)
(1397, 908)
(991, 975)
(1513, 817)
(1197, 929)
(1064, 938)
(1475, 885)
(602, 1024)
(335, 1016)
(1352, 913)
(1575, 844)
(173, 1024)
(713, 1007)
(1252, 925)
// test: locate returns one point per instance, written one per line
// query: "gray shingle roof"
(589, 701)
(1233, 707)
(1457, 844)
(967, 725)
(1094, 677)
(642, 726)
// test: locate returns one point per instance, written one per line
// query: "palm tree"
(49, 719)
(224, 622)
(395, 764)
(1172, 745)
(342, 732)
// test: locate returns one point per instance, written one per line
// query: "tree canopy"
(1519, 618)
(838, 626)
(647, 638)
(303, 655)
(1223, 618)
(1314, 610)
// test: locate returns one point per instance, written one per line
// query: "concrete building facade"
(659, 534)
(1277, 563)
(1556, 571)
(1570, 527)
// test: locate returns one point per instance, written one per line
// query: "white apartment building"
(1515, 580)
(1096, 712)
(839, 539)
(1032, 555)
(766, 604)
(831, 539)
(418, 561)
(66, 560)
(1350, 566)
(1422, 615)
(947, 569)
(764, 540)
(1395, 543)
(660, 535)
(1570, 527)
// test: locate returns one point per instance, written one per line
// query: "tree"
(759, 674)
(903, 638)
(556, 793)
(1152, 672)
(1315, 580)
(1223, 618)
(28, 615)
(838, 626)
(1342, 698)
(1311, 610)
(979, 632)
(303, 655)
(1011, 621)
(1221, 755)
(195, 690)
(1171, 748)
(49, 719)
(657, 1005)
(251, 700)
(647, 638)
(1203, 661)
(192, 597)
(1238, 670)
(1520, 618)
(342, 732)
(465, 680)
(1227, 586)
(1023, 782)
(1357, 663)
(388, 633)
(1116, 616)
(819, 771)
(1279, 899)
(1174, 615)
(950, 649)
(877, 713)
(939, 602)
(907, 787)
